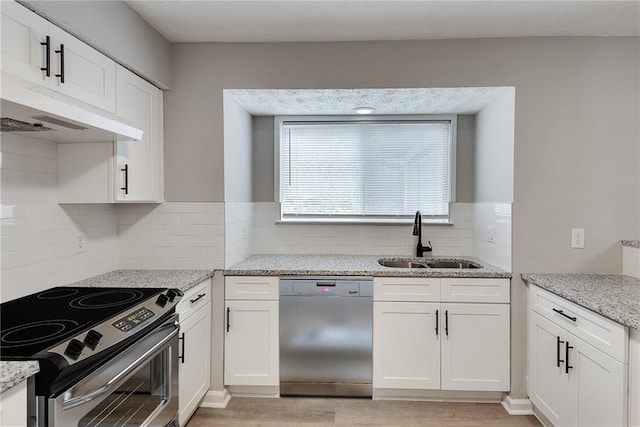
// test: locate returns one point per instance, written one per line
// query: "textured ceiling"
(360, 20)
(261, 102)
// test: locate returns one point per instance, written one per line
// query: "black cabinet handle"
(437, 322)
(200, 296)
(182, 345)
(61, 52)
(573, 319)
(558, 360)
(566, 356)
(47, 66)
(446, 322)
(228, 321)
(126, 179)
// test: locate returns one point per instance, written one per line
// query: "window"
(373, 170)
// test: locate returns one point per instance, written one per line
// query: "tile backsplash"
(172, 235)
(38, 236)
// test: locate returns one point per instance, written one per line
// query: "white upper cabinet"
(139, 164)
(24, 37)
(120, 171)
(39, 52)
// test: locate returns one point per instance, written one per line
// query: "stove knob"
(162, 300)
(173, 293)
(74, 349)
(92, 338)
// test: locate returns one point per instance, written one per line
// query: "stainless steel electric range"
(108, 356)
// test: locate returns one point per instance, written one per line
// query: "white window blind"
(377, 169)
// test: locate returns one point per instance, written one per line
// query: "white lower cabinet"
(195, 352)
(406, 345)
(475, 351)
(13, 406)
(571, 382)
(437, 345)
(251, 351)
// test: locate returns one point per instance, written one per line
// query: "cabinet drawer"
(411, 289)
(475, 290)
(251, 287)
(597, 330)
(194, 299)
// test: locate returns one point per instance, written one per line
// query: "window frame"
(352, 219)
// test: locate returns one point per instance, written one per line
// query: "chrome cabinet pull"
(61, 52)
(47, 66)
(573, 319)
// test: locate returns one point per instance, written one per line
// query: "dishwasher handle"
(326, 283)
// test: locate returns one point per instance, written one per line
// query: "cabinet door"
(89, 76)
(406, 345)
(139, 163)
(195, 362)
(22, 33)
(550, 388)
(251, 351)
(475, 347)
(601, 386)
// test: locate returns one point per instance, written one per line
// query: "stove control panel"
(133, 319)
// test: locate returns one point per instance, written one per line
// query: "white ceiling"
(470, 100)
(359, 20)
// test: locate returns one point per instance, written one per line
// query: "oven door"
(138, 387)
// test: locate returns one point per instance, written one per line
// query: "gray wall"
(263, 163)
(576, 130)
(237, 152)
(494, 151)
(116, 30)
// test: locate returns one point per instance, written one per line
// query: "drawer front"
(410, 289)
(194, 299)
(475, 290)
(251, 287)
(597, 330)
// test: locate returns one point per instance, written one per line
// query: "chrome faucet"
(417, 231)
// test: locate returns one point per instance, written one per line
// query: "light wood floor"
(316, 412)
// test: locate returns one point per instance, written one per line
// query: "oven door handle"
(114, 382)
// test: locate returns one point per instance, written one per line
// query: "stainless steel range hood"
(27, 112)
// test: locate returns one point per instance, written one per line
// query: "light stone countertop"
(12, 373)
(631, 243)
(614, 296)
(352, 265)
(181, 279)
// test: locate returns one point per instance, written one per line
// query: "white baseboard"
(216, 399)
(518, 406)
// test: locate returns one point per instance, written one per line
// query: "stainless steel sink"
(460, 264)
(401, 264)
(457, 264)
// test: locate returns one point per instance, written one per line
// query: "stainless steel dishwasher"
(326, 336)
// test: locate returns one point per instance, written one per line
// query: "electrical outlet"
(577, 238)
(80, 242)
(245, 232)
(491, 234)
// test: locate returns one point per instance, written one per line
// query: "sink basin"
(461, 264)
(401, 264)
(457, 264)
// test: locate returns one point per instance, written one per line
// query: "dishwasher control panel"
(335, 287)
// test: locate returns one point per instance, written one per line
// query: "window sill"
(359, 221)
